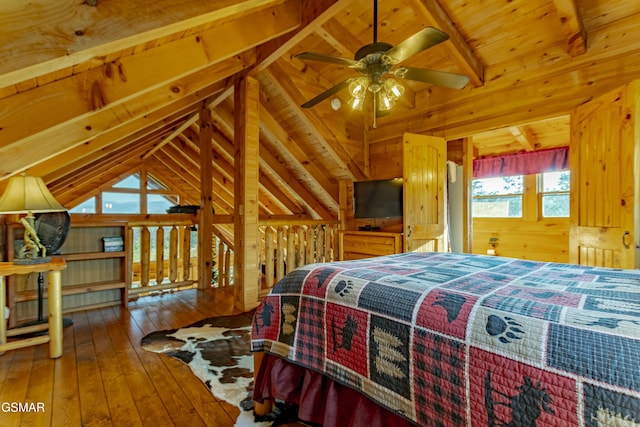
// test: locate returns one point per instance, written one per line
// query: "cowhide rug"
(218, 352)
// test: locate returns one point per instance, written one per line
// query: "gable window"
(499, 197)
(130, 196)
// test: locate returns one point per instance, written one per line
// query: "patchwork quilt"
(457, 339)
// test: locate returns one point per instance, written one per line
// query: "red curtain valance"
(526, 163)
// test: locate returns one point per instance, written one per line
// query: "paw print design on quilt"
(506, 329)
(508, 333)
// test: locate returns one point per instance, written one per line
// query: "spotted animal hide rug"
(218, 352)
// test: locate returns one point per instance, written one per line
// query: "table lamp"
(29, 194)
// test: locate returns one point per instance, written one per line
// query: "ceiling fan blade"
(440, 78)
(326, 94)
(327, 58)
(418, 42)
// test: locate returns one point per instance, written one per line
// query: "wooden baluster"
(159, 254)
(329, 248)
(269, 258)
(186, 252)
(129, 247)
(310, 249)
(227, 267)
(320, 244)
(173, 254)
(145, 249)
(301, 244)
(291, 249)
(220, 266)
(280, 254)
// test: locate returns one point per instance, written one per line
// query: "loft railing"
(290, 243)
(162, 255)
(285, 245)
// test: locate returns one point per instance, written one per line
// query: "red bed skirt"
(320, 399)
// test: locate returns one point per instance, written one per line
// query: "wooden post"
(205, 217)
(247, 273)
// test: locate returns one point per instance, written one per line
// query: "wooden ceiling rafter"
(98, 173)
(315, 127)
(172, 157)
(193, 118)
(89, 183)
(139, 33)
(222, 117)
(314, 13)
(222, 198)
(83, 127)
(295, 157)
(525, 137)
(457, 48)
(88, 154)
(571, 22)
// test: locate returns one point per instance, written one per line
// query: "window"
(124, 197)
(497, 197)
(554, 194)
(86, 207)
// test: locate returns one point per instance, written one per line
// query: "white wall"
(455, 211)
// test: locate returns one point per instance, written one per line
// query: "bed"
(452, 339)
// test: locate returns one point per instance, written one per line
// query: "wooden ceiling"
(93, 90)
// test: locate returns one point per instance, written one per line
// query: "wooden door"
(605, 163)
(425, 174)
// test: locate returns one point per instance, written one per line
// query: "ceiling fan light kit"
(376, 61)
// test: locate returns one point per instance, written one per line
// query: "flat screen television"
(378, 199)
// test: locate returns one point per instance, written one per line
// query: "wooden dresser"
(367, 244)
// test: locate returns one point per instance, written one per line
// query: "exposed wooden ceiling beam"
(82, 127)
(111, 86)
(456, 46)
(141, 127)
(296, 158)
(86, 35)
(191, 120)
(224, 119)
(314, 125)
(571, 22)
(314, 13)
(524, 136)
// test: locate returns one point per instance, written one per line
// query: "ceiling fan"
(376, 62)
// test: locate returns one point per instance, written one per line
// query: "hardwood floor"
(105, 378)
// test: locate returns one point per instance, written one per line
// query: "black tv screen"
(378, 199)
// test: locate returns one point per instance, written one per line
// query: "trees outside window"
(504, 197)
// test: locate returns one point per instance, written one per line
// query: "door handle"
(625, 238)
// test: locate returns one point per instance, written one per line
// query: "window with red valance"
(525, 163)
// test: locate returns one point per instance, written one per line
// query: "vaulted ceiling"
(93, 90)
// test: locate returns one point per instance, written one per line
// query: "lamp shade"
(28, 194)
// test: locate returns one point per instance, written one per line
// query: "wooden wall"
(518, 238)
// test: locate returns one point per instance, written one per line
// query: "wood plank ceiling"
(93, 90)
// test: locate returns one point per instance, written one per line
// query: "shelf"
(84, 256)
(32, 295)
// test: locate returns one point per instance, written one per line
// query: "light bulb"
(394, 89)
(386, 102)
(356, 103)
(358, 87)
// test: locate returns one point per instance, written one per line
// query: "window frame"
(531, 202)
